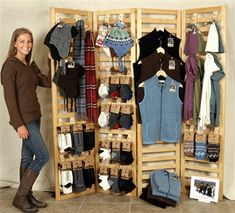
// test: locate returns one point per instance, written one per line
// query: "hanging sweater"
(204, 115)
(161, 111)
(19, 83)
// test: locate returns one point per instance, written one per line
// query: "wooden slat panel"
(158, 149)
(203, 10)
(68, 16)
(200, 168)
(191, 166)
(148, 30)
(158, 20)
(156, 167)
(157, 159)
(159, 11)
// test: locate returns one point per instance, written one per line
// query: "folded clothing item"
(165, 200)
(144, 197)
(166, 184)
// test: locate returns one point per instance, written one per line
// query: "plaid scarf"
(79, 57)
(91, 90)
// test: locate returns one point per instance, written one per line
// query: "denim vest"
(161, 111)
(165, 184)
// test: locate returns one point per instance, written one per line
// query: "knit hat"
(103, 119)
(61, 37)
(53, 50)
(119, 39)
(214, 42)
(114, 120)
(126, 121)
(125, 92)
(103, 90)
(192, 42)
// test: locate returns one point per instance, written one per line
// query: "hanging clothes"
(191, 67)
(150, 65)
(79, 57)
(161, 111)
(91, 90)
(198, 90)
(204, 115)
(215, 94)
(148, 45)
(192, 43)
(150, 42)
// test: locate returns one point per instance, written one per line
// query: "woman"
(20, 78)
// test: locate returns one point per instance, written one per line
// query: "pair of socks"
(123, 157)
(113, 181)
(126, 186)
(213, 151)
(120, 121)
(78, 142)
(89, 140)
(104, 183)
(115, 156)
(104, 153)
(89, 177)
(78, 181)
(126, 157)
(200, 150)
(189, 148)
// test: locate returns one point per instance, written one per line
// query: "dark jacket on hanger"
(150, 42)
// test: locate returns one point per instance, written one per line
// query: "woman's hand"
(23, 132)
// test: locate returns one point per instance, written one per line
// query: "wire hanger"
(160, 49)
(161, 72)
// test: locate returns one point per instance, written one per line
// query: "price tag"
(114, 80)
(126, 174)
(115, 108)
(170, 42)
(126, 109)
(114, 172)
(125, 80)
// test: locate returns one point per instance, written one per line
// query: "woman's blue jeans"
(34, 153)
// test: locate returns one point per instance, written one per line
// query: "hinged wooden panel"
(103, 65)
(189, 165)
(160, 155)
(60, 116)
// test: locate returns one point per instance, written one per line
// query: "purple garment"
(191, 44)
(192, 69)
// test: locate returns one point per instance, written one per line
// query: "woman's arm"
(10, 95)
(43, 80)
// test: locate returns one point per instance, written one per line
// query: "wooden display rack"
(103, 65)
(189, 165)
(60, 117)
(160, 155)
(146, 157)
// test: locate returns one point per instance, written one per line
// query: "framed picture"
(204, 189)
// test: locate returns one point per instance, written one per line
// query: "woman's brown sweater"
(19, 83)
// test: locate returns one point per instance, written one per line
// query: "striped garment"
(189, 148)
(213, 152)
(79, 57)
(91, 90)
(200, 150)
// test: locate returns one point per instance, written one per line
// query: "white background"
(35, 15)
